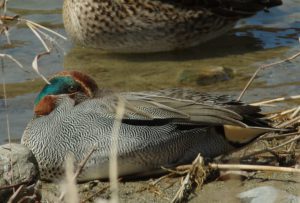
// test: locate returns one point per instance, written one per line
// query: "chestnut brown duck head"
(65, 82)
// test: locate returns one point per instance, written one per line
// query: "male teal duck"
(164, 128)
(153, 25)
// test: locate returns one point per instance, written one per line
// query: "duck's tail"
(238, 8)
(228, 8)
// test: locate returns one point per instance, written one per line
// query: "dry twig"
(36, 67)
(32, 198)
(14, 185)
(275, 115)
(253, 167)
(79, 170)
(95, 194)
(2, 56)
(70, 194)
(271, 150)
(280, 136)
(113, 157)
(288, 122)
(83, 162)
(12, 198)
(38, 31)
(263, 67)
(275, 100)
(195, 177)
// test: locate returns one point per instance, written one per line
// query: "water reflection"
(256, 40)
(232, 43)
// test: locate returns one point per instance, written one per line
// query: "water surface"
(263, 38)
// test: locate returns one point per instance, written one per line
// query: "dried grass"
(69, 187)
(42, 33)
(113, 157)
(194, 173)
(69, 191)
(263, 67)
(6, 22)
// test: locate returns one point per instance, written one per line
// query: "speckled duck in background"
(153, 25)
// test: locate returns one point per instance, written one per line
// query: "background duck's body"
(156, 130)
(153, 25)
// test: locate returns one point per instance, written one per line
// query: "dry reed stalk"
(3, 6)
(196, 174)
(69, 187)
(171, 174)
(113, 157)
(295, 113)
(32, 198)
(102, 201)
(263, 67)
(71, 195)
(43, 37)
(288, 122)
(83, 162)
(13, 185)
(3, 56)
(7, 118)
(253, 167)
(95, 194)
(13, 197)
(113, 166)
(271, 150)
(297, 137)
(275, 100)
(275, 115)
(78, 171)
(9, 57)
(35, 65)
(279, 136)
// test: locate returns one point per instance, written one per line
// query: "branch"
(78, 171)
(95, 194)
(13, 185)
(11, 199)
(253, 167)
(275, 100)
(83, 162)
(273, 148)
(262, 68)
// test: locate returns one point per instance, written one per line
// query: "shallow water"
(264, 38)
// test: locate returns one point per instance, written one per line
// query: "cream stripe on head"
(87, 83)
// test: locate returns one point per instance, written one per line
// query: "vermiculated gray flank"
(156, 130)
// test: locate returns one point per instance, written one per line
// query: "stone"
(206, 76)
(17, 165)
(267, 194)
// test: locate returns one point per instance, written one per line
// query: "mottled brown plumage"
(153, 25)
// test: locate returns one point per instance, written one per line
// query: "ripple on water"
(254, 41)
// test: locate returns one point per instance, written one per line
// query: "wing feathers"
(150, 107)
(210, 112)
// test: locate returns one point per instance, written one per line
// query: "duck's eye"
(72, 89)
